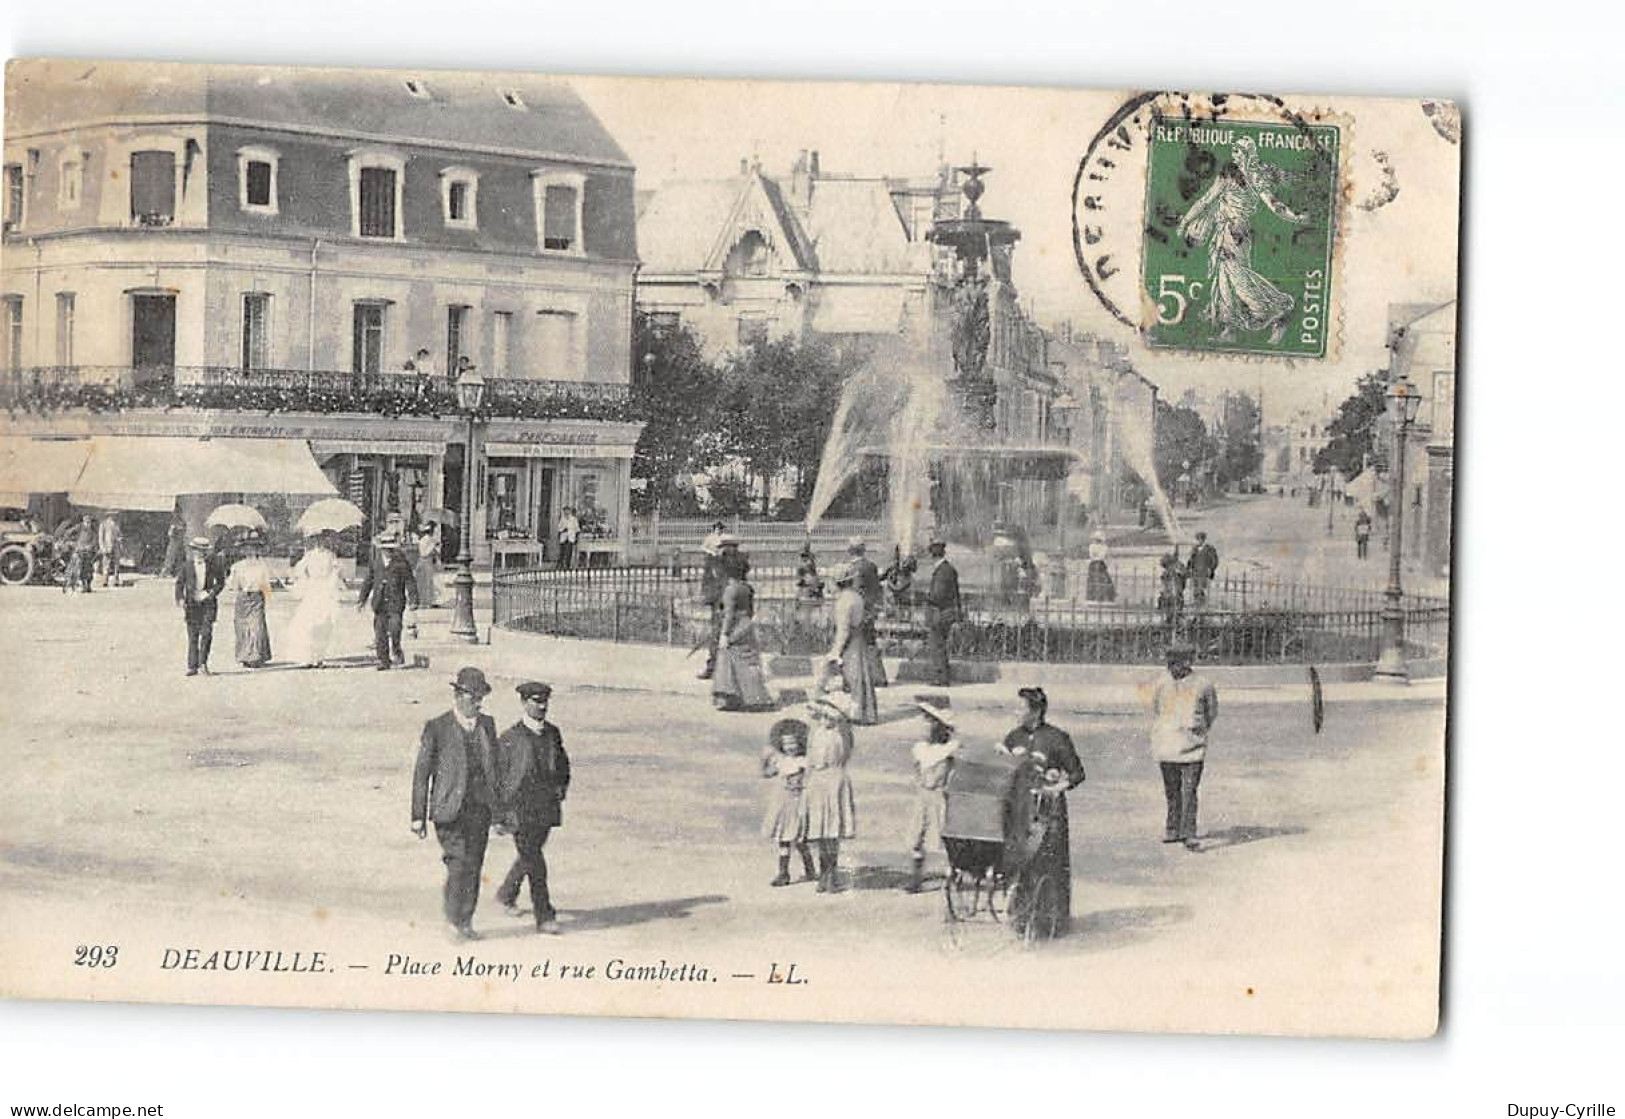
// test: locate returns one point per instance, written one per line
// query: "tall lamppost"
(470, 398)
(1403, 402)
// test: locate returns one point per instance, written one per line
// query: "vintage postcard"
(838, 552)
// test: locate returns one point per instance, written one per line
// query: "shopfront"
(529, 476)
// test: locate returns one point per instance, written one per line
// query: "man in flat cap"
(1184, 707)
(198, 583)
(535, 776)
(454, 783)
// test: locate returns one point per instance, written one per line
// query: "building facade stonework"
(186, 241)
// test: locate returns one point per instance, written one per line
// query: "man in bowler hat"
(454, 783)
(535, 777)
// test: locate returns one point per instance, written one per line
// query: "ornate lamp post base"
(462, 617)
(1391, 664)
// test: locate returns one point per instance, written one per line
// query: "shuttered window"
(152, 187)
(367, 352)
(257, 183)
(377, 202)
(256, 330)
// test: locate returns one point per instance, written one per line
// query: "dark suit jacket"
(391, 590)
(214, 581)
(535, 776)
(868, 584)
(440, 778)
(1204, 561)
(943, 596)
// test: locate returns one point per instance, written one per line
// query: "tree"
(1240, 455)
(677, 391)
(1353, 431)
(775, 407)
(1180, 437)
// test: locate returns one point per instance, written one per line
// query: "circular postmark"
(1210, 222)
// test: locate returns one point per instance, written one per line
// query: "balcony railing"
(41, 390)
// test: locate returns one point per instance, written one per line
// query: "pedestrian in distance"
(250, 579)
(738, 683)
(389, 588)
(1202, 567)
(197, 592)
(1362, 534)
(454, 786)
(943, 608)
(109, 540)
(318, 583)
(84, 553)
(1184, 707)
(721, 553)
(569, 534)
(870, 586)
(534, 780)
(784, 758)
(933, 758)
(850, 654)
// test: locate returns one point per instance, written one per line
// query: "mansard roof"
(516, 113)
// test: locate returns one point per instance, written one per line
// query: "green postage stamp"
(1240, 221)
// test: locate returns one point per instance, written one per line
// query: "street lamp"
(470, 397)
(1403, 402)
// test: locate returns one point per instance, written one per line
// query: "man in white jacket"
(1184, 707)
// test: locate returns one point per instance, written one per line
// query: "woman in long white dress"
(318, 583)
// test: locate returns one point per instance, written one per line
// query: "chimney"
(800, 181)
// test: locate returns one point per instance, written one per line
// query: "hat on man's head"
(534, 689)
(1201, 536)
(936, 544)
(1035, 697)
(201, 543)
(472, 681)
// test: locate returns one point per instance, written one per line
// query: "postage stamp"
(1240, 223)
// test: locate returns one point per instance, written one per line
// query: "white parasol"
(332, 514)
(236, 516)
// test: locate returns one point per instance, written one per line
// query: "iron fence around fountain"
(654, 606)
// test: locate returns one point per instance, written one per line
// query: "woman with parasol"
(250, 577)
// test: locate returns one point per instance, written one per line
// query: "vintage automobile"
(26, 553)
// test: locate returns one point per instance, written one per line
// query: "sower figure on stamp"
(453, 784)
(198, 584)
(535, 777)
(1184, 707)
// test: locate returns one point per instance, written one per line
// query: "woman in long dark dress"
(1051, 750)
(737, 683)
(250, 577)
(1099, 586)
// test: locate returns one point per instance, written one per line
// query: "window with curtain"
(367, 350)
(14, 195)
(13, 353)
(256, 330)
(152, 187)
(64, 327)
(456, 341)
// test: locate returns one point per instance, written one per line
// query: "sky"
(1404, 251)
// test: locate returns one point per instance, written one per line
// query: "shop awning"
(141, 472)
(30, 466)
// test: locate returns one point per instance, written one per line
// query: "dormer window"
(256, 180)
(558, 210)
(417, 89)
(459, 198)
(376, 179)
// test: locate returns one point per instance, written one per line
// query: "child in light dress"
(933, 761)
(785, 758)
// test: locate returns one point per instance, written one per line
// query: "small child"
(785, 757)
(933, 761)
